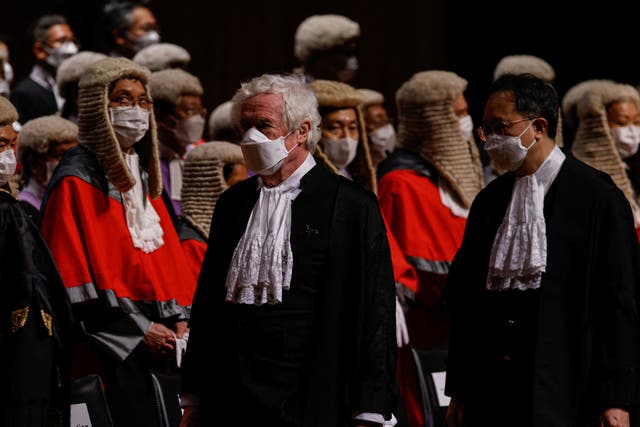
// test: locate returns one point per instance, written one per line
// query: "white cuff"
(376, 418)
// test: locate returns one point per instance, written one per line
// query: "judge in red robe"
(425, 189)
(209, 169)
(118, 253)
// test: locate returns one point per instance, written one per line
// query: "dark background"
(232, 41)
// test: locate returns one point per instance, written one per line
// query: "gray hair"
(300, 102)
(41, 27)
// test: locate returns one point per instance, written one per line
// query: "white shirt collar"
(292, 183)
(549, 169)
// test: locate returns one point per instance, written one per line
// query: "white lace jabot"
(519, 252)
(142, 219)
(262, 262)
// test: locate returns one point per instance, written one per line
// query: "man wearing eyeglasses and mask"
(38, 95)
(543, 289)
(426, 187)
(112, 238)
(296, 286)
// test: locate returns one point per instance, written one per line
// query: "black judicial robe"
(576, 351)
(329, 348)
(35, 323)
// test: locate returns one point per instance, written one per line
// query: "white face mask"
(129, 123)
(507, 152)
(8, 72)
(627, 140)
(188, 131)
(4, 88)
(58, 54)
(147, 39)
(466, 127)
(352, 64)
(341, 152)
(262, 155)
(7, 165)
(383, 140)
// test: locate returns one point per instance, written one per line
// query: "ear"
(118, 38)
(541, 125)
(303, 131)
(39, 51)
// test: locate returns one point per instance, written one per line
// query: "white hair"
(300, 102)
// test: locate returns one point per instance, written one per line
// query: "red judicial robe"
(116, 290)
(426, 231)
(427, 235)
(88, 236)
(193, 243)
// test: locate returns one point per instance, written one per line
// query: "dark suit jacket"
(32, 100)
(329, 348)
(586, 339)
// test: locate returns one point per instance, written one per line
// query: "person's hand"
(614, 417)
(454, 413)
(190, 417)
(181, 328)
(160, 341)
(402, 333)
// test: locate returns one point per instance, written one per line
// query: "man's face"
(460, 106)
(265, 113)
(189, 106)
(500, 117)
(128, 93)
(340, 124)
(143, 24)
(56, 37)
(8, 138)
(623, 113)
(375, 117)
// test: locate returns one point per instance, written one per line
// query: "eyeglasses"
(127, 101)
(498, 128)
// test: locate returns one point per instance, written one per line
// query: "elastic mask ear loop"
(534, 138)
(295, 146)
(527, 128)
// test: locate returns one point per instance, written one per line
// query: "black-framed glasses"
(498, 127)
